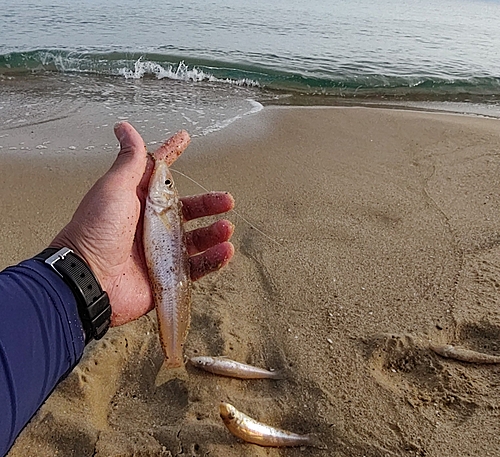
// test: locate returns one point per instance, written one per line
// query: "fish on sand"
(252, 431)
(462, 354)
(227, 367)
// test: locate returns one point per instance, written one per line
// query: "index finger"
(171, 149)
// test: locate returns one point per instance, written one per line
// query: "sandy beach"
(362, 235)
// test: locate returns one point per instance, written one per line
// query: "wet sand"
(361, 235)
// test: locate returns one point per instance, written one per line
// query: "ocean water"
(203, 64)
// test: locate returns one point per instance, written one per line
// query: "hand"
(106, 229)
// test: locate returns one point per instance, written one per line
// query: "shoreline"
(466, 108)
(361, 235)
(102, 145)
(66, 101)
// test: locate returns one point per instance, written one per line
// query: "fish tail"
(168, 372)
(277, 375)
(315, 440)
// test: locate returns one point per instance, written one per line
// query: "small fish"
(166, 254)
(227, 367)
(462, 354)
(248, 429)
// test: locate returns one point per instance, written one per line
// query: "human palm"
(106, 229)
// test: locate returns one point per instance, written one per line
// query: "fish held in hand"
(166, 254)
(227, 367)
(248, 429)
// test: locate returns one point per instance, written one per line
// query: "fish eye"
(168, 182)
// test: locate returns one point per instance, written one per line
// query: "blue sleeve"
(41, 340)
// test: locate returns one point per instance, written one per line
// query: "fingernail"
(119, 131)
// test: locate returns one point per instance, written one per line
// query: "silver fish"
(464, 355)
(227, 367)
(248, 429)
(166, 254)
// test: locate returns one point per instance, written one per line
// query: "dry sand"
(361, 235)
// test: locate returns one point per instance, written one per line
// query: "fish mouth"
(225, 411)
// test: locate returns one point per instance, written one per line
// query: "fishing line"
(233, 210)
(305, 263)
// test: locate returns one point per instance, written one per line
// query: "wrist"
(64, 241)
(93, 303)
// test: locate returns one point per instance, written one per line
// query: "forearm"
(41, 339)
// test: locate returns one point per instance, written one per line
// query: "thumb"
(132, 158)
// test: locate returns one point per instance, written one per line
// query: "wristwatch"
(93, 303)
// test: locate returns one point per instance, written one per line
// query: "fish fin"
(165, 220)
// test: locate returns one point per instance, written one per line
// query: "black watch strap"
(93, 303)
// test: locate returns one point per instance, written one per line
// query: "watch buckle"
(59, 255)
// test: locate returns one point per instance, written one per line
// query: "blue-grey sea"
(203, 64)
